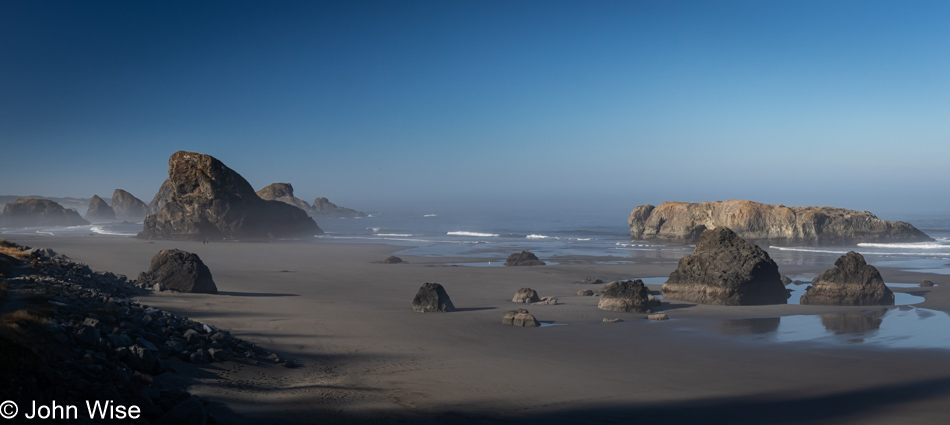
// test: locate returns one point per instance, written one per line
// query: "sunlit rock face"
(683, 222)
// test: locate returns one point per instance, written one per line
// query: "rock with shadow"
(852, 281)
(526, 296)
(520, 317)
(392, 259)
(627, 296)
(180, 271)
(432, 298)
(725, 269)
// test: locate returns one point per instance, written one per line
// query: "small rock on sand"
(585, 293)
(658, 316)
(617, 320)
(520, 317)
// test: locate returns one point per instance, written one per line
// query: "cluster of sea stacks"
(682, 222)
(201, 199)
(725, 269)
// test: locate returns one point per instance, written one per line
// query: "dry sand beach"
(365, 356)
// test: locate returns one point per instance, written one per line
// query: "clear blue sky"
(397, 104)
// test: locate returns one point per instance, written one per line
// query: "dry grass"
(14, 252)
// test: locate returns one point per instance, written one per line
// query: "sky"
(479, 105)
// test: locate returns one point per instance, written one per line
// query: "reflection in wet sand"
(856, 323)
(755, 326)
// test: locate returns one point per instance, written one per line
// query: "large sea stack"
(30, 212)
(851, 282)
(209, 200)
(128, 206)
(322, 207)
(99, 209)
(725, 269)
(162, 197)
(283, 192)
(682, 222)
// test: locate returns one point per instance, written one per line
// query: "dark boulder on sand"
(283, 192)
(99, 210)
(432, 298)
(180, 271)
(926, 283)
(852, 281)
(392, 259)
(627, 296)
(684, 222)
(322, 207)
(210, 200)
(527, 296)
(524, 258)
(30, 212)
(591, 281)
(128, 206)
(725, 269)
(520, 317)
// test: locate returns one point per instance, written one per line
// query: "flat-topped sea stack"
(683, 222)
(210, 200)
(851, 282)
(283, 192)
(128, 206)
(322, 207)
(99, 209)
(30, 212)
(725, 269)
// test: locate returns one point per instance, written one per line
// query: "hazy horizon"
(448, 106)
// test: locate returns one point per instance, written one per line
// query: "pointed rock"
(852, 281)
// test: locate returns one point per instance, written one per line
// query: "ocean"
(485, 240)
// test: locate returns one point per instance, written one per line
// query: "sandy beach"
(366, 356)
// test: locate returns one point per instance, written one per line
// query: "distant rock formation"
(322, 207)
(162, 197)
(725, 269)
(30, 212)
(128, 206)
(99, 209)
(520, 317)
(209, 200)
(432, 298)
(283, 192)
(682, 222)
(526, 295)
(524, 258)
(627, 296)
(852, 281)
(180, 271)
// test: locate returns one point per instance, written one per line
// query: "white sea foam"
(476, 234)
(919, 245)
(541, 237)
(404, 235)
(431, 215)
(845, 251)
(580, 239)
(102, 231)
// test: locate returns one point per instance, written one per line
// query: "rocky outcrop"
(725, 269)
(682, 222)
(180, 271)
(927, 283)
(283, 192)
(520, 317)
(99, 210)
(432, 298)
(627, 296)
(526, 295)
(162, 197)
(524, 258)
(209, 200)
(31, 212)
(322, 207)
(128, 206)
(852, 281)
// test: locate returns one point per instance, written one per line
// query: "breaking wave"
(480, 235)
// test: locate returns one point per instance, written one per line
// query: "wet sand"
(366, 356)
